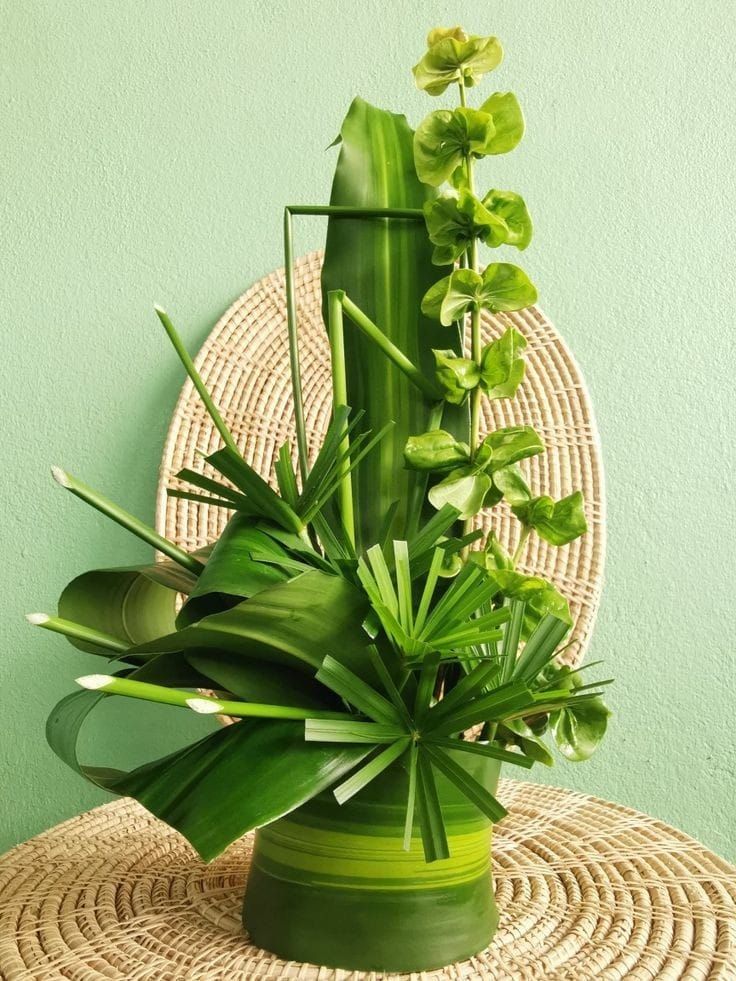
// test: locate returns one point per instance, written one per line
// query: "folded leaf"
(509, 445)
(454, 219)
(368, 258)
(252, 680)
(435, 450)
(463, 488)
(456, 376)
(231, 574)
(454, 56)
(501, 365)
(558, 523)
(508, 121)
(510, 207)
(446, 137)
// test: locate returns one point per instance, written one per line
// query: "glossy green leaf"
(446, 137)
(509, 445)
(515, 732)
(385, 268)
(205, 791)
(511, 208)
(463, 488)
(253, 680)
(539, 595)
(436, 450)
(558, 523)
(292, 623)
(454, 219)
(506, 287)
(502, 366)
(231, 574)
(511, 485)
(456, 376)
(454, 56)
(508, 121)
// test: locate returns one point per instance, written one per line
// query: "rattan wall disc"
(245, 364)
(586, 890)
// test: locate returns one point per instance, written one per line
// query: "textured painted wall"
(147, 148)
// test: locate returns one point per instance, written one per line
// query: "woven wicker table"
(587, 889)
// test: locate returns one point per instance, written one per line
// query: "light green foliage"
(454, 56)
(446, 137)
(557, 522)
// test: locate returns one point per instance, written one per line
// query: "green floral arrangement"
(379, 654)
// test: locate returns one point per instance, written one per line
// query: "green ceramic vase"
(331, 884)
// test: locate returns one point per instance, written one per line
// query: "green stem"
(196, 379)
(294, 365)
(78, 631)
(340, 398)
(364, 323)
(126, 520)
(350, 211)
(525, 532)
(200, 703)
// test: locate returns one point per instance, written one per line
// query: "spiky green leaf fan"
(345, 617)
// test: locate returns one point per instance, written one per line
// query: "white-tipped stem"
(60, 476)
(204, 706)
(95, 682)
(37, 619)
(194, 375)
(78, 631)
(128, 521)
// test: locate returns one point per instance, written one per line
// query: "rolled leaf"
(294, 623)
(129, 604)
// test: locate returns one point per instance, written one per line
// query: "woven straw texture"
(245, 364)
(586, 889)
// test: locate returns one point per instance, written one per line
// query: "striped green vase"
(331, 884)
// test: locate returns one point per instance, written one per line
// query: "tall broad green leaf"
(385, 267)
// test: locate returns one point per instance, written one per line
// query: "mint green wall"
(146, 151)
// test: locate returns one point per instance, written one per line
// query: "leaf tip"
(204, 706)
(37, 619)
(94, 682)
(61, 477)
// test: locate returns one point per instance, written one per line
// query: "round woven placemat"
(245, 364)
(586, 889)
